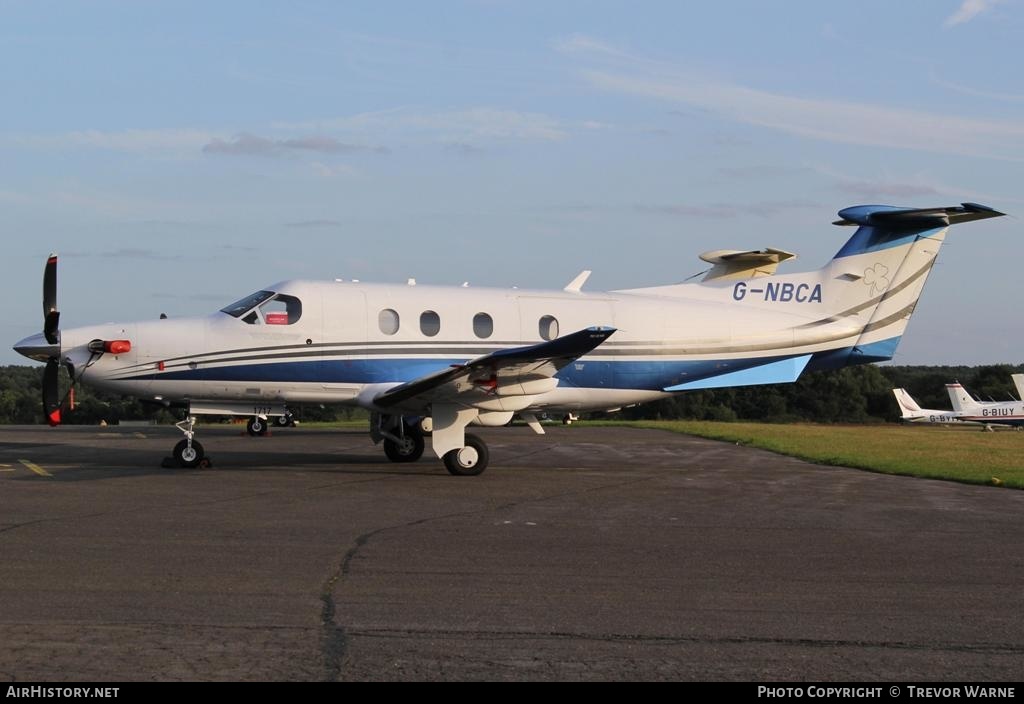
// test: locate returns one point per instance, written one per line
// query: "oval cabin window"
(483, 325)
(388, 321)
(430, 323)
(548, 327)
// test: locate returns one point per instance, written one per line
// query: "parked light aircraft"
(967, 408)
(911, 412)
(433, 360)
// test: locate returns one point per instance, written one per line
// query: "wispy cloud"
(968, 10)
(886, 189)
(814, 118)
(758, 172)
(311, 224)
(975, 92)
(14, 197)
(463, 149)
(725, 210)
(246, 144)
(128, 253)
(913, 189)
(468, 126)
(132, 140)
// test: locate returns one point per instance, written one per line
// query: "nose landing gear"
(189, 453)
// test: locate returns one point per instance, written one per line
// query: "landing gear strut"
(406, 449)
(188, 453)
(402, 442)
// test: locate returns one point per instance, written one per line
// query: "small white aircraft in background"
(431, 360)
(911, 412)
(967, 408)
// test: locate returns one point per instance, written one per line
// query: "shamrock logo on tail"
(877, 278)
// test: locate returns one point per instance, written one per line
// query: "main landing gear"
(463, 454)
(256, 426)
(468, 461)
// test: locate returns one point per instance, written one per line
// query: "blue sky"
(180, 155)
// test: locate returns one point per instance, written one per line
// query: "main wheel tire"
(409, 450)
(188, 457)
(470, 460)
(283, 421)
(256, 426)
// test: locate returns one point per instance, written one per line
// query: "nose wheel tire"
(468, 461)
(256, 426)
(188, 457)
(407, 449)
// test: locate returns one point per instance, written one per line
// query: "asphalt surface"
(588, 553)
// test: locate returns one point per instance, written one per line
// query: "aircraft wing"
(510, 372)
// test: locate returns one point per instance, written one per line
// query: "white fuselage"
(345, 342)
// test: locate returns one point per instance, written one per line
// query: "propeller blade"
(51, 315)
(51, 392)
(51, 327)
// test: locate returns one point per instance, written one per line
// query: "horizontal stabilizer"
(899, 219)
(783, 371)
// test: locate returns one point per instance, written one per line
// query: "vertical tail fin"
(908, 406)
(1018, 381)
(962, 401)
(876, 279)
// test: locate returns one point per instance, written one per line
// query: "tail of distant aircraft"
(962, 401)
(908, 406)
(1018, 381)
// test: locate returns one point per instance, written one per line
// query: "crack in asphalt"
(335, 637)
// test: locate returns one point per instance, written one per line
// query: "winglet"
(576, 284)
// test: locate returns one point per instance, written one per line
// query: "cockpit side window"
(282, 310)
(243, 306)
(266, 308)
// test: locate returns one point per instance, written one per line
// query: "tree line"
(861, 394)
(21, 403)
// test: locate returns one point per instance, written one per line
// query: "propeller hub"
(38, 348)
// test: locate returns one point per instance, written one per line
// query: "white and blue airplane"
(967, 408)
(911, 412)
(430, 360)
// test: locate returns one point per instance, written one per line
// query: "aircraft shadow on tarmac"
(116, 454)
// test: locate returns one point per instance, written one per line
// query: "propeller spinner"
(46, 346)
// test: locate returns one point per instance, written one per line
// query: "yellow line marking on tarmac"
(36, 468)
(140, 436)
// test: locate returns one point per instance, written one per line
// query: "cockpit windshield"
(239, 308)
(266, 308)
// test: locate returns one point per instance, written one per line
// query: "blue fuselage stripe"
(651, 375)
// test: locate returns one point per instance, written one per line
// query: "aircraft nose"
(36, 347)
